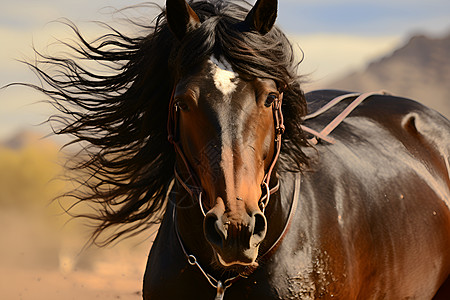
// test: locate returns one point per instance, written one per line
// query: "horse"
(205, 129)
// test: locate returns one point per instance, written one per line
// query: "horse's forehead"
(224, 78)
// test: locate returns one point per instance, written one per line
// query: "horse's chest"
(306, 273)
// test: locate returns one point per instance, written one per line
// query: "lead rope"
(323, 135)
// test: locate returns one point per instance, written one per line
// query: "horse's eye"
(270, 99)
(181, 105)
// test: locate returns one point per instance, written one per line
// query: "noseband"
(195, 191)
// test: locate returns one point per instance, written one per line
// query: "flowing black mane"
(120, 119)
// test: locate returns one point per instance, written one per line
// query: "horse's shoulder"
(390, 158)
(382, 136)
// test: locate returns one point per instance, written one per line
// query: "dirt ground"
(37, 263)
(19, 283)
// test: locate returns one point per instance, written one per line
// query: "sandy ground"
(36, 263)
(17, 283)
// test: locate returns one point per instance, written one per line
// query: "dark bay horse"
(202, 128)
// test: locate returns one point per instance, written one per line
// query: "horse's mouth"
(242, 268)
(238, 267)
(235, 263)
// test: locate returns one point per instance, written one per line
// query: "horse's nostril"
(259, 228)
(214, 232)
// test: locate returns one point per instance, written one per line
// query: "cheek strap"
(279, 130)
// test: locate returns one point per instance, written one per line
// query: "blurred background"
(402, 46)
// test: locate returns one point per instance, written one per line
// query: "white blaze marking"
(223, 76)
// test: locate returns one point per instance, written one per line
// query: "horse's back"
(378, 199)
(388, 123)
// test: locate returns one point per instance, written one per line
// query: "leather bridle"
(195, 191)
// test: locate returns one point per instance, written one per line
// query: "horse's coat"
(196, 115)
(371, 219)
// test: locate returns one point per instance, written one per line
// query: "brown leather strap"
(292, 211)
(279, 130)
(323, 134)
(172, 127)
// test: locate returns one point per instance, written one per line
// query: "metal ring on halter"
(264, 203)
(200, 203)
(192, 260)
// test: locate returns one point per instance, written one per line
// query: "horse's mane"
(120, 119)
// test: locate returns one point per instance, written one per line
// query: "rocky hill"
(419, 70)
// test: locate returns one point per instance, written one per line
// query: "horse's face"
(226, 131)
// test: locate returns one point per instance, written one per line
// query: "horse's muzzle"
(235, 242)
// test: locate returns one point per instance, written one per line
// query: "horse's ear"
(262, 16)
(181, 18)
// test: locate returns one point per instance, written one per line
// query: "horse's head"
(226, 128)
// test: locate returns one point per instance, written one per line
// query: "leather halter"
(172, 127)
(195, 191)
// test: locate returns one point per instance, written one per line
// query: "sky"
(335, 37)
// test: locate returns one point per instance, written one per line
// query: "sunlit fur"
(120, 119)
